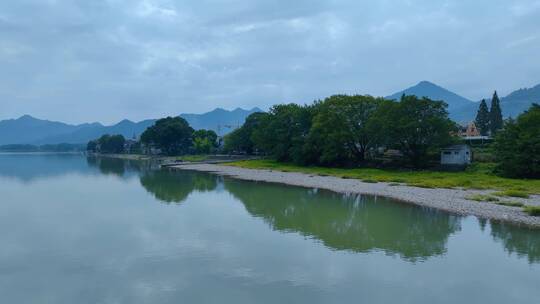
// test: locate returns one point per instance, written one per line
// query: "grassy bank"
(478, 176)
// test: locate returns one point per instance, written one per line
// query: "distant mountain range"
(464, 110)
(30, 130)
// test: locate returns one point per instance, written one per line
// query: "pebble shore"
(450, 200)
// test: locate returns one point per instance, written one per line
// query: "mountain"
(219, 120)
(87, 132)
(464, 110)
(518, 101)
(457, 105)
(30, 130)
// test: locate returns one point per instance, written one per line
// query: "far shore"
(450, 200)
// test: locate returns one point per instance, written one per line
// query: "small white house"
(456, 155)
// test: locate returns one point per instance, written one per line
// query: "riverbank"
(172, 160)
(459, 201)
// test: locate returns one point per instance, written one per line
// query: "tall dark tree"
(482, 118)
(495, 114)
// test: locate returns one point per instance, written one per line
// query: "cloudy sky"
(105, 60)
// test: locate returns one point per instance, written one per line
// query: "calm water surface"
(87, 230)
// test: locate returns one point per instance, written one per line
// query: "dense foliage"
(517, 146)
(172, 135)
(344, 130)
(107, 144)
(341, 132)
(204, 141)
(240, 139)
(483, 118)
(414, 126)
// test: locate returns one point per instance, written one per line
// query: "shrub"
(513, 193)
(482, 198)
(510, 204)
(532, 210)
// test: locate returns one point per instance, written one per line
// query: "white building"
(456, 155)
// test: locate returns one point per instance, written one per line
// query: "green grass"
(532, 210)
(482, 198)
(510, 204)
(513, 193)
(478, 176)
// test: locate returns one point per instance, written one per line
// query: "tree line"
(169, 136)
(344, 130)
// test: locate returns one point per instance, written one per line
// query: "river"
(77, 229)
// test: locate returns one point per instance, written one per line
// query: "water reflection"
(350, 222)
(522, 241)
(174, 186)
(29, 167)
(346, 223)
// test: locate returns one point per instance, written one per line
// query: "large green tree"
(284, 131)
(413, 125)
(240, 140)
(172, 135)
(517, 146)
(340, 128)
(483, 118)
(204, 141)
(111, 143)
(495, 115)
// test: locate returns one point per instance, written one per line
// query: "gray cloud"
(111, 59)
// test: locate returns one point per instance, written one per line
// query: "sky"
(106, 60)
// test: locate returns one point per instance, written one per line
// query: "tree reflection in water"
(174, 186)
(341, 222)
(522, 241)
(350, 222)
(119, 167)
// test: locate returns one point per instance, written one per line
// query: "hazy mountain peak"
(427, 83)
(26, 117)
(125, 121)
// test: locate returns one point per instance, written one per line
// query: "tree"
(483, 118)
(110, 144)
(204, 141)
(172, 135)
(283, 132)
(240, 140)
(91, 146)
(340, 128)
(517, 146)
(413, 125)
(495, 115)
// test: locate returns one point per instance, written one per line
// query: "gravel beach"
(450, 200)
